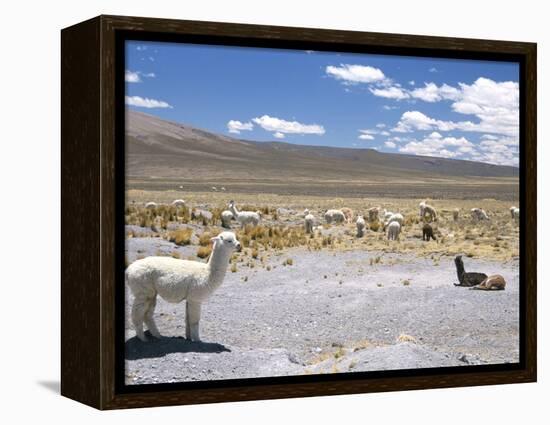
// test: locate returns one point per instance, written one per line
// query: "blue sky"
(436, 107)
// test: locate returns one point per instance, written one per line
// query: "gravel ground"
(330, 312)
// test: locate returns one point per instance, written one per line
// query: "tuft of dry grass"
(181, 236)
(204, 251)
(406, 338)
(206, 236)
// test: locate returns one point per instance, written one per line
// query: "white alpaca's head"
(226, 242)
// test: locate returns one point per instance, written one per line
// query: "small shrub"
(204, 251)
(176, 254)
(375, 226)
(289, 261)
(233, 268)
(181, 236)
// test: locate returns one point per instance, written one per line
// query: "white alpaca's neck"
(217, 266)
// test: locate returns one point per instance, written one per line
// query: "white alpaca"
(214, 189)
(360, 223)
(335, 216)
(178, 203)
(478, 214)
(394, 228)
(227, 216)
(223, 189)
(386, 214)
(308, 222)
(348, 214)
(177, 280)
(515, 214)
(426, 209)
(394, 218)
(151, 205)
(244, 217)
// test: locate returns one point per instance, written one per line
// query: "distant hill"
(160, 148)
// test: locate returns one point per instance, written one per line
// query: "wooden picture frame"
(92, 170)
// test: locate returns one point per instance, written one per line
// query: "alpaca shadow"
(136, 349)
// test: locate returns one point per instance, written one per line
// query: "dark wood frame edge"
(88, 212)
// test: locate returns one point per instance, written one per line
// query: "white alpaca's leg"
(149, 318)
(193, 316)
(138, 314)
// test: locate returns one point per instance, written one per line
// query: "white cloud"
(437, 145)
(368, 131)
(416, 120)
(385, 133)
(380, 125)
(273, 124)
(412, 83)
(495, 104)
(144, 102)
(390, 144)
(135, 76)
(366, 137)
(389, 108)
(500, 151)
(432, 93)
(279, 135)
(141, 48)
(432, 69)
(391, 92)
(353, 74)
(131, 77)
(235, 127)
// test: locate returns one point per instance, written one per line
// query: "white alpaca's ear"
(216, 238)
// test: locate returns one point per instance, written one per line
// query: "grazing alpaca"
(308, 222)
(336, 216)
(244, 217)
(360, 223)
(494, 282)
(386, 214)
(374, 213)
(177, 280)
(427, 232)
(348, 214)
(512, 211)
(178, 203)
(394, 228)
(394, 217)
(426, 209)
(467, 279)
(455, 214)
(479, 214)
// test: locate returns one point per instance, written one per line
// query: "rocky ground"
(330, 311)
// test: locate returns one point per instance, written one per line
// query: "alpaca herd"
(176, 280)
(427, 213)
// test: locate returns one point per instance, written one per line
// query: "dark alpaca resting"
(427, 232)
(467, 279)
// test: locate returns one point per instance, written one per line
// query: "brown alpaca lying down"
(494, 282)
